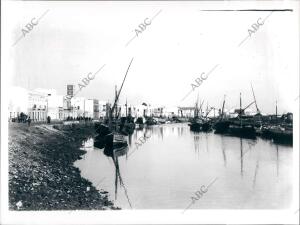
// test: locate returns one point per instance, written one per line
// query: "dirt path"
(41, 171)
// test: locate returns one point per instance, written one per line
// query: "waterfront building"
(171, 111)
(102, 109)
(54, 103)
(37, 105)
(89, 108)
(186, 111)
(77, 107)
(17, 102)
(96, 109)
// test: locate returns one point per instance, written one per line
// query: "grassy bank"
(41, 171)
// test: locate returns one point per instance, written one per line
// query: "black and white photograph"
(150, 112)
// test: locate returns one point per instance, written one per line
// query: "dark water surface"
(173, 163)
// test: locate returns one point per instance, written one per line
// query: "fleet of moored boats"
(113, 130)
(274, 127)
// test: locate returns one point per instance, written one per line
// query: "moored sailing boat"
(242, 126)
(206, 124)
(196, 122)
(221, 126)
(111, 136)
(280, 132)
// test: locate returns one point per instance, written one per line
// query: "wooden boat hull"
(197, 127)
(115, 140)
(242, 131)
(279, 135)
(115, 152)
(206, 127)
(128, 128)
(100, 141)
(221, 127)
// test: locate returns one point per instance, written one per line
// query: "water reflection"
(115, 153)
(161, 132)
(223, 146)
(174, 162)
(88, 145)
(130, 140)
(255, 173)
(277, 161)
(242, 158)
(206, 141)
(197, 143)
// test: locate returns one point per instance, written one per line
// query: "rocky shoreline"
(41, 171)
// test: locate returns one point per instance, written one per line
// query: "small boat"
(139, 123)
(279, 134)
(161, 120)
(150, 121)
(196, 125)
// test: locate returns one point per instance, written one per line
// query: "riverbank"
(41, 171)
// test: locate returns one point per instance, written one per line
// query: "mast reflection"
(223, 151)
(255, 173)
(206, 140)
(241, 147)
(277, 161)
(197, 144)
(115, 153)
(161, 130)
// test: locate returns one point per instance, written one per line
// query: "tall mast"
(116, 101)
(196, 107)
(240, 103)
(223, 107)
(201, 107)
(207, 112)
(255, 99)
(118, 95)
(196, 110)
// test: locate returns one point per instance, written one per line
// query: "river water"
(173, 163)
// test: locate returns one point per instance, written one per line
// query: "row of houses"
(41, 103)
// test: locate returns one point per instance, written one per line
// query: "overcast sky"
(76, 38)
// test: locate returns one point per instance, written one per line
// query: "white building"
(89, 108)
(17, 101)
(171, 111)
(37, 106)
(54, 103)
(81, 107)
(102, 109)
